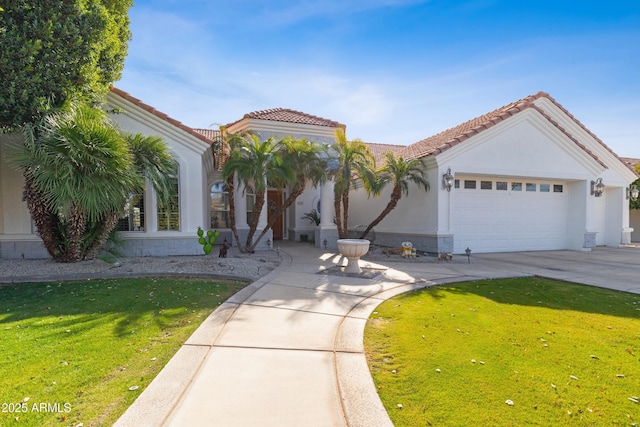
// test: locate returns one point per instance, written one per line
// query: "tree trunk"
(46, 222)
(106, 226)
(255, 218)
(76, 226)
(295, 192)
(345, 215)
(396, 194)
(231, 195)
(337, 203)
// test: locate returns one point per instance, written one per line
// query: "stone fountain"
(353, 249)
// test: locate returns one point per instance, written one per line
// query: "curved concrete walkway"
(287, 350)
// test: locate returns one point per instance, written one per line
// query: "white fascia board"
(157, 125)
(540, 123)
(585, 138)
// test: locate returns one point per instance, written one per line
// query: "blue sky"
(393, 71)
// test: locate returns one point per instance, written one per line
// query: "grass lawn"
(81, 352)
(513, 352)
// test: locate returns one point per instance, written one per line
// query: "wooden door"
(274, 201)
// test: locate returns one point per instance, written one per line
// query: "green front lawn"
(81, 352)
(514, 352)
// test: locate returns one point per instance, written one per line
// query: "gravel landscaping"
(239, 265)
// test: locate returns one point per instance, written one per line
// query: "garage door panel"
(506, 220)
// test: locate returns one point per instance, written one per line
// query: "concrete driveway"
(287, 350)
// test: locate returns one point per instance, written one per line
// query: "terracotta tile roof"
(160, 115)
(212, 134)
(630, 163)
(442, 141)
(379, 150)
(220, 151)
(290, 116)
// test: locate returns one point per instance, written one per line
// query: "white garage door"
(507, 215)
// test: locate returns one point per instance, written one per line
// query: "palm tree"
(304, 158)
(400, 172)
(256, 163)
(355, 162)
(79, 171)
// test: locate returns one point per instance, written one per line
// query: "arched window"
(219, 206)
(250, 197)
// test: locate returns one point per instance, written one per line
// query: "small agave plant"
(207, 240)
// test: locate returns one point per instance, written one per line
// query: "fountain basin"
(353, 249)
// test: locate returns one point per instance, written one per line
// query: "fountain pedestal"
(353, 249)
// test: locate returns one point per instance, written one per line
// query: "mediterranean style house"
(526, 176)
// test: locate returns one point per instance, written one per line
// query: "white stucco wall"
(526, 147)
(14, 216)
(193, 156)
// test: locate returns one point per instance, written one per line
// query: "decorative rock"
(438, 370)
(509, 402)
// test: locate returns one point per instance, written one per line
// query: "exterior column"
(264, 219)
(241, 205)
(266, 242)
(326, 204)
(241, 211)
(327, 230)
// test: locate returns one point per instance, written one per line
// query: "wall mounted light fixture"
(447, 180)
(597, 187)
(635, 192)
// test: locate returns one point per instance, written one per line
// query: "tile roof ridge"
(270, 114)
(451, 137)
(456, 134)
(125, 95)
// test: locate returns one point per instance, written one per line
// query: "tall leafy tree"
(355, 164)
(80, 170)
(635, 204)
(255, 163)
(400, 173)
(52, 51)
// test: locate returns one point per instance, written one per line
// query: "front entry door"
(274, 201)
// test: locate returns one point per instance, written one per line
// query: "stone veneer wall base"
(423, 242)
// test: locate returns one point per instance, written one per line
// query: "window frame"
(169, 216)
(224, 213)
